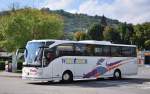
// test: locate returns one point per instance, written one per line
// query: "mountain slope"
(75, 22)
(80, 22)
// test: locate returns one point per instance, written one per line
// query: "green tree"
(80, 36)
(130, 33)
(147, 44)
(142, 35)
(138, 29)
(111, 35)
(68, 35)
(96, 32)
(126, 32)
(122, 31)
(26, 24)
(103, 21)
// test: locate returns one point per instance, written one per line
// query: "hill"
(80, 22)
(127, 33)
(76, 22)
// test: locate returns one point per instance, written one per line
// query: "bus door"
(48, 61)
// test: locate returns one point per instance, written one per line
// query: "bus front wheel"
(67, 76)
(117, 74)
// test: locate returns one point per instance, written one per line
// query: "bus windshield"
(33, 53)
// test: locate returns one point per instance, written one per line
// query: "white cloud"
(57, 4)
(131, 11)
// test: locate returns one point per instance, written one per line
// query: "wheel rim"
(66, 77)
(117, 74)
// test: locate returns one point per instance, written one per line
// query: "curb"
(10, 75)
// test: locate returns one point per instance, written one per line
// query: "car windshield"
(33, 53)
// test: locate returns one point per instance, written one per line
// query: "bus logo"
(100, 61)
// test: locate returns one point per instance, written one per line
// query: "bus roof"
(104, 43)
(48, 40)
(95, 42)
(84, 42)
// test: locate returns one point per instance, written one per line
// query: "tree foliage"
(142, 35)
(103, 21)
(126, 32)
(96, 32)
(111, 35)
(81, 36)
(147, 44)
(23, 25)
(28, 24)
(77, 22)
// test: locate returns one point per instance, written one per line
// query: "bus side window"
(84, 50)
(65, 50)
(115, 51)
(98, 50)
(106, 50)
(133, 51)
(89, 50)
(49, 54)
(80, 49)
(126, 51)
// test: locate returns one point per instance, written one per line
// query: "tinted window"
(65, 50)
(125, 51)
(89, 50)
(128, 51)
(84, 50)
(80, 49)
(115, 51)
(49, 54)
(106, 51)
(98, 50)
(133, 51)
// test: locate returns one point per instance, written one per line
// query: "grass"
(1, 70)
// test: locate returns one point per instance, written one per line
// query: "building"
(10, 58)
(144, 57)
(5, 56)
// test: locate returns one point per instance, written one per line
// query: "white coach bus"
(61, 60)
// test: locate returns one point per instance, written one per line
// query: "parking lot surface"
(139, 84)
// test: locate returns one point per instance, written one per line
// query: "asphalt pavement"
(11, 83)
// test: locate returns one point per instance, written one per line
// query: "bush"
(2, 65)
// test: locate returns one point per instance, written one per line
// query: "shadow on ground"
(96, 83)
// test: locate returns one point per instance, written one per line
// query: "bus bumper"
(36, 79)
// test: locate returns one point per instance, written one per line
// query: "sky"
(130, 11)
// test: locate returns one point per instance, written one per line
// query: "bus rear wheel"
(117, 74)
(67, 77)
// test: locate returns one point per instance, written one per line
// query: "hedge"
(2, 65)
